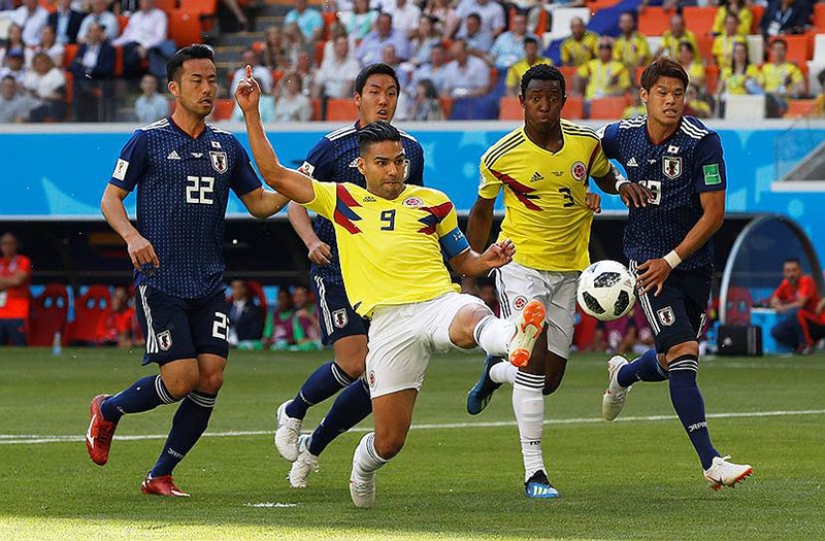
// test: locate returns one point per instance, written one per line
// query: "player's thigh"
(451, 320)
(351, 354)
(668, 316)
(399, 351)
(517, 285)
(561, 313)
(209, 324)
(335, 314)
(164, 320)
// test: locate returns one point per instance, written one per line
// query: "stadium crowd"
(457, 59)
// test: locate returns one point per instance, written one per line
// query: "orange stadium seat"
(259, 47)
(569, 73)
(608, 108)
(711, 78)
(543, 23)
(341, 109)
(185, 27)
(819, 17)
(316, 109)
(89, 308)
(330, 18)
(758, 12)
(705, 51)
(319, 52)
(597, 5)
(573, 108)
(798, 47)
(48, 315)
(69, 52)
(122, 21)
(223, 109)
(509, 108)
(166, 5)
(653, 21)
(446, 106)
(69, 87)
(797, 108)
(202, 7)
(699, 19)
(638, 80)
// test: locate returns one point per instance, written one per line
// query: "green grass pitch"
(459, 477)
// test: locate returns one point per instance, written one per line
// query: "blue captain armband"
(453, 243)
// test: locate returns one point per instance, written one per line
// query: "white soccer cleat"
(615, 395)
(304, 465)
(361, 489)
(724, 473)
(286, 437)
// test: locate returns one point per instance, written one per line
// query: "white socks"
(494, 335)
(504, 372)
(366, 460)
(528, 405)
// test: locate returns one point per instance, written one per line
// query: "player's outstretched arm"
(141, 251)
(262, 203)
(288, 182)
(319, 251)
(471, 263)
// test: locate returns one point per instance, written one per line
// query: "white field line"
(30, 439)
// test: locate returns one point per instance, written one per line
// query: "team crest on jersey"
(219, 161)
(666, 316)
(672, 166)
(413, 202)
(520, 302)
(579, 170)
(371, 378)
(165, 340)
(340, 318)
(216, 144)
(307, 168)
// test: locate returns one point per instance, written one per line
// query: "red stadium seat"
(69, 52)
(705, 51)
(185, 27)
(319, 52)
(330, 18)
(569, 73)
(118, 61)
(259, 47)
(797, 108)
(257, 291)
(341, 109)
(608, 108)
(223, 109)
(798, 47)
(89, 309)
(653, 21)
(738, 306)
(573, 108)
(758, 12)
(69, 86)
(509, 108)
(711, 78)
(166, 5)
(201, 7)
(48, 315)
(446, 106)
(819, 17)
(699, 19)
(316, 110)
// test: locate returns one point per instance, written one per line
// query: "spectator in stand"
(292, 105)
(813, 326)
(273, 53)
(466, 76)
(65, 22)
(695, 105)
(671, 39)
(337, 30)
(434, 70)
(101, 16)
(309, 20)
(447, 19)
(509, 46)
(150, 106)
(305, 67)
(630, 48)
(337, 73)
(405, 16)
(47, 84)
(423, 40)
(15, 66)
(49, 46)
(390, 58)
(630, 334)
(426, 106)
(266, 106)
(580, 47)
(487, 293)
(796, 292)
(145, 37)
(478, 41)
(14, 105)
(737, 8)
(785, 17)
(281, 332)
(115, 328)
(294, 42)
(307, 328)
(31, 18)
(602, 76)
(93, 68)
(517, 71)
(359, 21)
(781, 79)
(372, 46)
(636, 107)
(722, 49)
(15, 277)
(246, 318)
(740, 78)
(263, 74)
(493, 20)
(694, 68)
(13, 41)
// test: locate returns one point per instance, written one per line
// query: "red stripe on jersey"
(521, 191)
(437, 214)
(593, 157)
(344, 215)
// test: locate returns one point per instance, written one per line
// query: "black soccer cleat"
(482, 392)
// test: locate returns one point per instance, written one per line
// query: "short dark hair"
(530, 39)
(779, 40)
(9, 78)
(474, 15)
(663, 67)
(377, 132)
(542, 72)
(374, 69)
(793, 260)
(195, 51)
(687, 45)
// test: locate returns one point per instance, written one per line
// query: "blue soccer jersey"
(335, 159)
(182, 190)
(685, 165)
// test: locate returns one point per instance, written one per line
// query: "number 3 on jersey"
(654, 186)
(199, 190)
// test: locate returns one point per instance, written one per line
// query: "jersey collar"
(179, 129)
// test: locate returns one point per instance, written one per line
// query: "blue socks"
(145, 394)
(690, 407)
(327, 380)
(645, 368)
(188, 425)
(351, 407)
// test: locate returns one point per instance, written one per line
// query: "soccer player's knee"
(551, 386)
(211, 382)
(387, 448)
(182, 385)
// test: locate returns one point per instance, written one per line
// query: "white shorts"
(402, 338)
(517, 285)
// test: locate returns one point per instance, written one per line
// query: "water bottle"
(57, 344)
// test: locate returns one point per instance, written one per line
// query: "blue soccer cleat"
(538, 486)
(482, 392)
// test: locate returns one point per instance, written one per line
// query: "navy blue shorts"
(677, 315)
(335, 314)
(178, 328)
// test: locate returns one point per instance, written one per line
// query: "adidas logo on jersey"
(369, 199)
(632, 162)
(536, 177)
(354, 163)
(173, 155)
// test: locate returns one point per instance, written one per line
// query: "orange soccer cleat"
(527, 332)
(162, 485)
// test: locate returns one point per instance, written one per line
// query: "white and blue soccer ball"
(606, 290)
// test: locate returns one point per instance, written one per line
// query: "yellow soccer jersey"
(576, 53)
(778, 78)
(391, 251)
(671, 44)
(517, 70)
(604, 79)
(544, 195)
(631, 52)
(722, 49)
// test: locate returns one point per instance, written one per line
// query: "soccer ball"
(607, 290)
